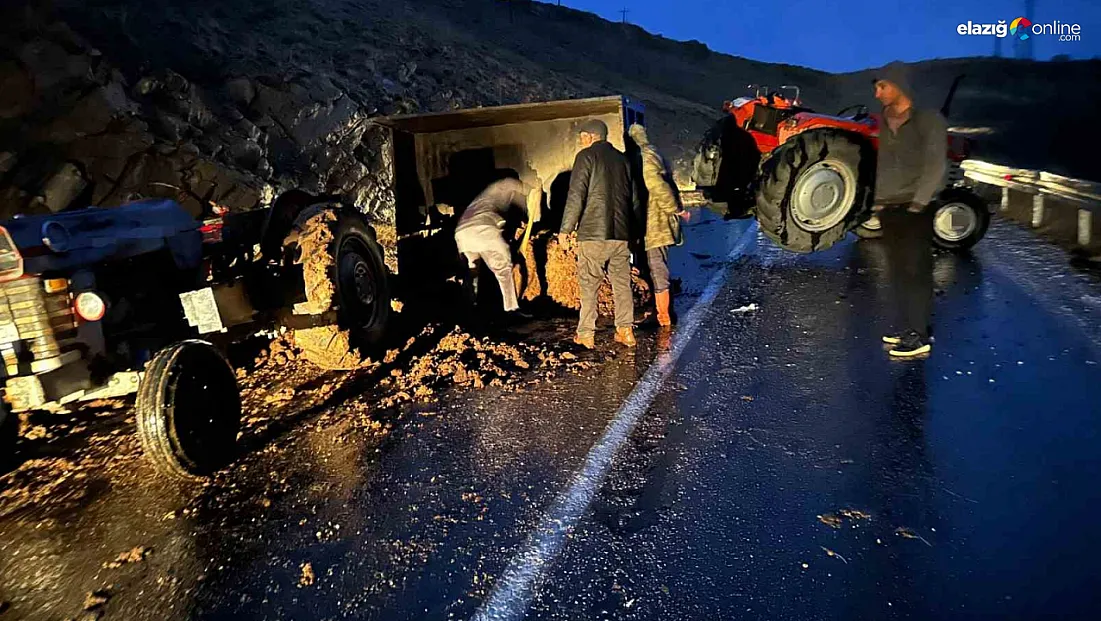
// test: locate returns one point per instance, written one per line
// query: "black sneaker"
(911, 345)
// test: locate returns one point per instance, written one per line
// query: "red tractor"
(809, 178)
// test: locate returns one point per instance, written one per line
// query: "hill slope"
(229, 101)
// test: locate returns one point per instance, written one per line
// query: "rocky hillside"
(229, 102)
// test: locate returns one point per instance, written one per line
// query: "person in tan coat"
(663, 215)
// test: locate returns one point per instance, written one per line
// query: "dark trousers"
(658, 258)
(909, 239)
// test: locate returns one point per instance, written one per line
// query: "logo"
(1020, 28)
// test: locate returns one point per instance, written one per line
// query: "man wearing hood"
(913, 146)
(663, 210)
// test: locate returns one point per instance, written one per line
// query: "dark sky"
(847, 35)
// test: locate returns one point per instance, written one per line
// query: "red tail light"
(212, 231)
(959, 148)
(11, 262)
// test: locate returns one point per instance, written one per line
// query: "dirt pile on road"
(280, 391)
(550, 269)
(426, 365)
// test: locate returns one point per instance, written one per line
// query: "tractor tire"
(343, 270)
(871, 228)
(9, 434)
(815, 188)
(188, 411)
(960, 220)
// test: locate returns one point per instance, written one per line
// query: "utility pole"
(625, 11)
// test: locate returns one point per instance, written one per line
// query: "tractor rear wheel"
(343, 270)
(960, 220)
(815, 188)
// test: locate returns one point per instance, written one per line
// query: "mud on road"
(57, 453)
(65, 462)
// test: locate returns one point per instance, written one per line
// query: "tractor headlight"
(90, 306)
(11, 262)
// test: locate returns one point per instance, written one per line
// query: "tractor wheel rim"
(955, 222)
(357, 279)
(823, 195)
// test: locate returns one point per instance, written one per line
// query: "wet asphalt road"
(977, 467)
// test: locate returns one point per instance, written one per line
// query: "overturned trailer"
(100, 303)
(441, 161)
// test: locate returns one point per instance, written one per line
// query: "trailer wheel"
(188, 411)
(343, 270)
(960, 220)
(815, 188)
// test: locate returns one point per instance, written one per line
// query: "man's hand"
(564, 239)
(915, 207)
(685, 215)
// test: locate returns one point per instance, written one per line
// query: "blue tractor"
(143, 299)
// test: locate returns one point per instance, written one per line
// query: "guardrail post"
(1005, 199)
(1037, 210)
(1085, 227)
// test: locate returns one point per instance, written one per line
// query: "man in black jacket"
(602, 207)
(913, 147)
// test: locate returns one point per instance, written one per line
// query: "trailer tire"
(188, 411)
(815, 188)
(960, 220)
(343, 269)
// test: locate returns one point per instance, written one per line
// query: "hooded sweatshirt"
(912, 160)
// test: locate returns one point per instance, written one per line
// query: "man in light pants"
(479, 238)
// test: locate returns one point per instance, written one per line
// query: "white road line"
(513, 593)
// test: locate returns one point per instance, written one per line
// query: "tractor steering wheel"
(861, 111)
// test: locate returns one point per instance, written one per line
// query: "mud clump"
(557, 279)
(130, 557)
(460, 359)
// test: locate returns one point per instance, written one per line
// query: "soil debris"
(135, 555)
(856, 514)
(909, 533)
(307, 578)
(830, 519)
(95, 600)
(559, 278)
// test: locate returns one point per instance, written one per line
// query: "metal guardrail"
(1084, 195)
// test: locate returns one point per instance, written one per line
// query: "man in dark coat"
(602, 208)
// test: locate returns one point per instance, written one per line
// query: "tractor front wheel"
(8, 437)
(815, 188)
(188, 411)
